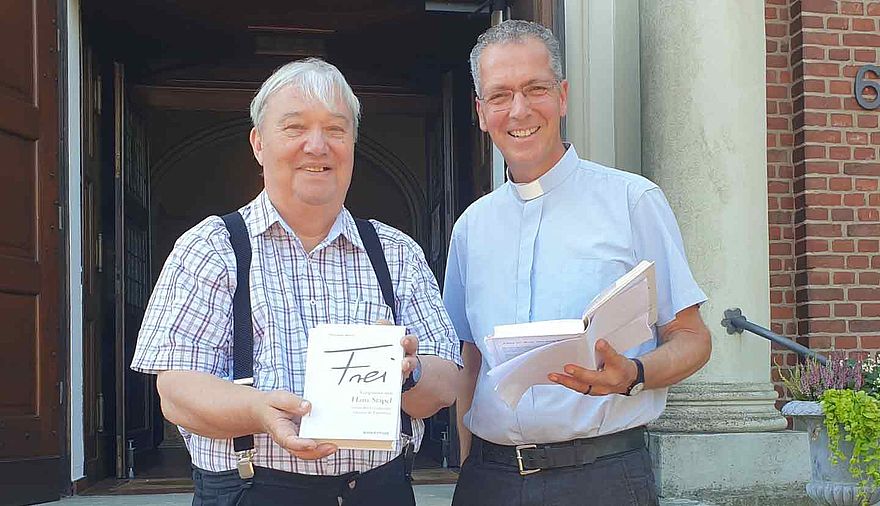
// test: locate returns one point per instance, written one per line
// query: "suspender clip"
(246, 464)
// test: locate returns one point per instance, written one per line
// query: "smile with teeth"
(525, 132)
(315, 169)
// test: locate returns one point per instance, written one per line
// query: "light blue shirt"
(542, 251)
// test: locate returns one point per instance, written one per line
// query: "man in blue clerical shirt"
(539, 248)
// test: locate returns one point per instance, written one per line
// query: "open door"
(135, 392)
(31, 419)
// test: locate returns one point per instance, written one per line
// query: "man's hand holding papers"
(619, 319)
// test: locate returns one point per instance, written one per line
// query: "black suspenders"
(243, 331)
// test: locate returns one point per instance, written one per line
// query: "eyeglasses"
(502, 100)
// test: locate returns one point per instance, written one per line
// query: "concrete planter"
(830, 484)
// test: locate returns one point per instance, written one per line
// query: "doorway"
(166, 124)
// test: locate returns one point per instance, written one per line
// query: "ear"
(257, 145)
(479, 105)
(563, 98)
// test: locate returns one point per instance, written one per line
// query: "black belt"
(531, 458)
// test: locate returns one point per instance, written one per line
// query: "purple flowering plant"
(807, 381)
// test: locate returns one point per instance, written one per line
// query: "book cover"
(353, 382)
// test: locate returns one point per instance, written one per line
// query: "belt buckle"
(519, 460)
(246, 463)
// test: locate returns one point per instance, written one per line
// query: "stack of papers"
(522, 355)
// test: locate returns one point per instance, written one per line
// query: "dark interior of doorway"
(190, 69)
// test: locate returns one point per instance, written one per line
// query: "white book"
(522, 355)
(353, 382)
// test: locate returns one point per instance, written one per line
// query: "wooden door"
(31, 466)
(135, 392)
(97, 393)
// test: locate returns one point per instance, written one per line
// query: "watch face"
(636, 389)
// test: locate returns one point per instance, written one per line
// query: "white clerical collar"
(551, 179)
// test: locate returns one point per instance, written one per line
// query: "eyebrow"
(527, 83)
(297, 114)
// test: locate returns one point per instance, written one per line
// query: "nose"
(314, 143)
(519, 107)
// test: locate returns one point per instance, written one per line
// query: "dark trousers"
(385, 485)
(620, 479)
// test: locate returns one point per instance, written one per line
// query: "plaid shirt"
(188, 322)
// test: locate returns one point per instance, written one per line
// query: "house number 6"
(862, 83)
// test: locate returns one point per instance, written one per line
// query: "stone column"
(704, 142)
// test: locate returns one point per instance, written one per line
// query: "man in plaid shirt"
(309, 266)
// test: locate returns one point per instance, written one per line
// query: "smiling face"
(306, 151)
(527, 133)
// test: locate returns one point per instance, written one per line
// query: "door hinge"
(99, 252)
(61, 393)
(60, 217)
(100, 410)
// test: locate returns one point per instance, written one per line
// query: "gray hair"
(316, 80)
(516, 31)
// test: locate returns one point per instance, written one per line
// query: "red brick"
(813, 152)
(863, 25)
(811, 183)
(841, 120)
(857, 138)
(845, 309)
(840, 184)
(857, 262)
(820, 343)
(874, 9)
(821, 69)
(865, 55)
(775, 297)
(870, 294)
(815, 294)
(864, 325)
(854, 200)
(839, 153)
(824, 39)
(838, 54)
(814, 245)
(864, 153)
(866, 184)
(869, 278)
(840, 87)
(771, 13)
(822, 199)
(777, 92)
(868, 246)
(870, 342)
(822, 261)
(843, 246)
(776, 29)
(842, 214)
(777, 124)
(863, 230)
(814, 118)
(838, 24)
(826, 136)
(868, 121)
(781, 312)
(777, 61)
(869, 310)
(875, 138)
(845, 342)
(826, 6)
(856, 8)
(869, 214)
(827, 326)
(813, 52)
(874, 199)
(861, 39)
(844, 278)
(815, 213)
(862, 169)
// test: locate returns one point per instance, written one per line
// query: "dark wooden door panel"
(30, 415)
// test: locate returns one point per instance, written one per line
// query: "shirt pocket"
(369, 312)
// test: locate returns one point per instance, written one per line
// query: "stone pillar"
(704, 142)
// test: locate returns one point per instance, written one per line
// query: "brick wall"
(823, 168)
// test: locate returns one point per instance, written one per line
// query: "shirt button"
(313, 302)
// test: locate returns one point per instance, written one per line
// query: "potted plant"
(838, 405)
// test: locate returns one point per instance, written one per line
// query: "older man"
(310, 265)
(538, 248)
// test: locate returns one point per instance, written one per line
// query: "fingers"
(614, 377)
(384, 322)
(409, 365)
(410, 344)
(321, 451)
(573, 383)
(289, 403)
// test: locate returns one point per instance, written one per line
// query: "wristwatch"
(414, 376)
(639, 384)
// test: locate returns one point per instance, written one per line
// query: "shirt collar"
(265, 215)
(551, 179)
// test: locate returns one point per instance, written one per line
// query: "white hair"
(316, 80)
(516, 31)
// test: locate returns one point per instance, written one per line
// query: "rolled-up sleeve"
(422, 310)
(188, 321)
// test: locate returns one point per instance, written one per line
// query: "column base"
(750, 468)
(720, 407)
